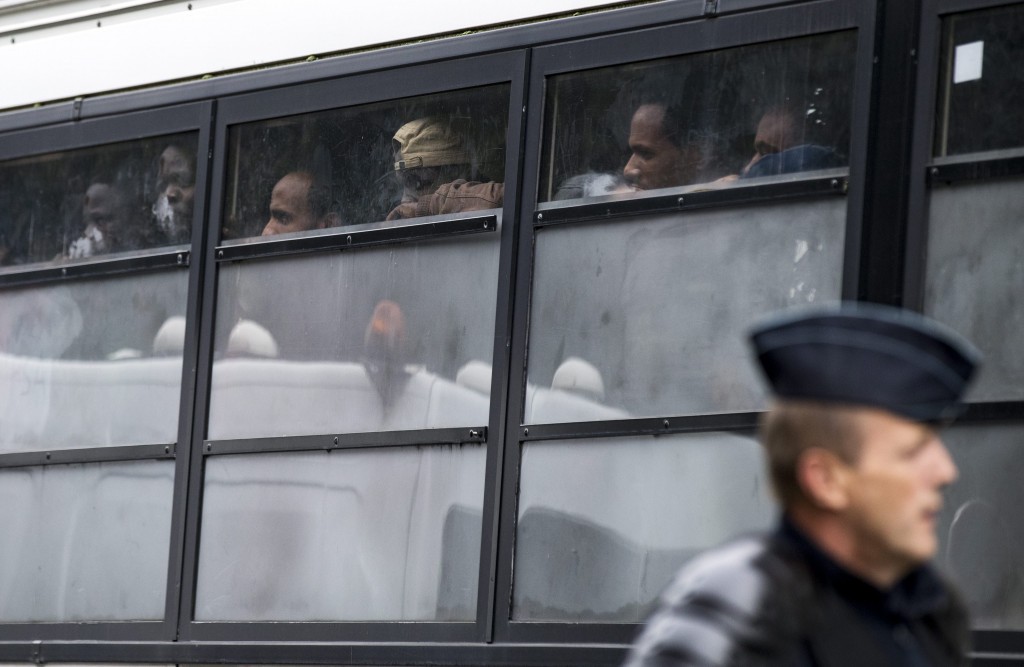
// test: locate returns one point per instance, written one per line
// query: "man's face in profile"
(176, 187)
(655, 162)
(894, 490)
(289, 206)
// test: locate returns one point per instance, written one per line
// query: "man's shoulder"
(742, 603)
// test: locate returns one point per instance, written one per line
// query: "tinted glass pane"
(713, 119)
(90, 363)
(85, 542)
(96, 201)
(975, 277)
(373, 339)
(649, 317)
(434, 154)
(981, 90)
(604, 524)
(982, 535)
(382, 534)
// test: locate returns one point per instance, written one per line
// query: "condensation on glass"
(91, 202)
(603, 524)
(387, 161)
(706, 120)
(975, 277)
(371, 535)
(85, 542)
(383, 338)
(649, 317)
(981, 85)
(92, 362)
(981, 535)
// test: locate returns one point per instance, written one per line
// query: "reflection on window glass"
(649, 317)
(711, 119)
(85, 542)
(604, 524)
(981, 90)
(982, 538)
(975, 276)
(89, 202)
(395, 160)
(372, 339)
(92, 363)
(377, 534)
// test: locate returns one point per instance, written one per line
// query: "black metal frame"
(503, 68)
(889, 173)
(196, 118)
(769, 24)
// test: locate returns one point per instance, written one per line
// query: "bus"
(413, 335)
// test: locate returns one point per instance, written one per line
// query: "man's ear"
(823, 477)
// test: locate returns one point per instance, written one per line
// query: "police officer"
(859, 469)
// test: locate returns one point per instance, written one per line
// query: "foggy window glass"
(981, 536)
(604, 524)
(429, 155)
(378, 534)
(975, 277)
(649, 317)
(85, 542)
(393, 337)
(981, 86)
(92, 362)
(713, 119)
(90, 202)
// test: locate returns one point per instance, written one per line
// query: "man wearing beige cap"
(433, 165)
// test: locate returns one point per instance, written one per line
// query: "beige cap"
(428, 142)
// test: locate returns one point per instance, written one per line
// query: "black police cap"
(870, 355)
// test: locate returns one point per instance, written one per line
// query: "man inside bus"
(856, 462)
(436, 171)
(106, 220)
(663, 150)
(176, 185)
(300, 202)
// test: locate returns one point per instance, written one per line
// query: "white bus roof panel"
(59, 51)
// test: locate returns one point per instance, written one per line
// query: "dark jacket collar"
(919, 593)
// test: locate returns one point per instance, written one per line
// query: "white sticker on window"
(967, 64)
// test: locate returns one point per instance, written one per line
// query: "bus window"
(981, 89)
(974, 276)
(371, 534)
(982, 540)
(94, 202)
(429, 155)
(603, 547)
(85, 542)
(706, 120)
(647, 316)
(93, 362)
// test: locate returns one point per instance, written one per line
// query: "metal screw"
(181, 258)
(209, 447)
(98, 24)
(835, 182)
(680, 202)
(167, 449)
(348, 240)
(473, 433)
(526, 432)
(540, 216)
(335, 439)
(665, 423)
(47, 456)
(64, 272)
(935, 171)
(220, 254)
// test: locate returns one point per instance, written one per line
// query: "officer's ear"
(823, 476)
